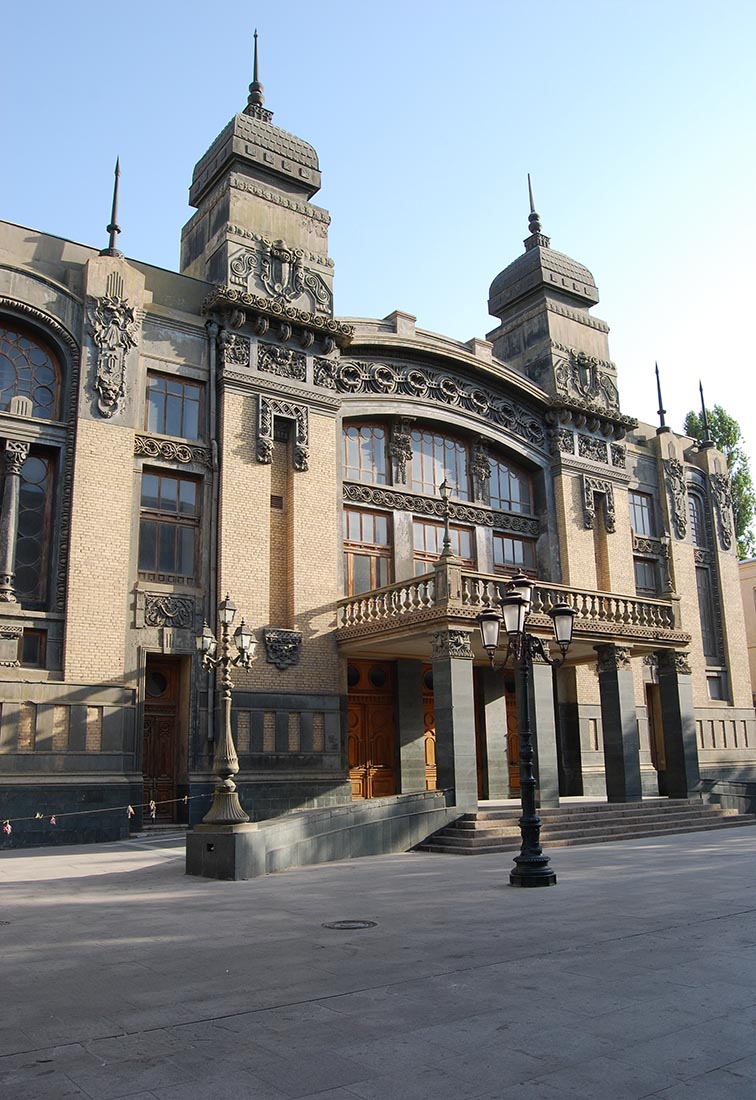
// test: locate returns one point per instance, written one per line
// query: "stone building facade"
(170, 437)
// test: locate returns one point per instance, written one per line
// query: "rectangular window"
(706, 613)
(173, 406)
(367, 550)
(509, 488)
(511, 553)
(365, 453)
(429, 542)
(642, 513)
(34, 535)
(32, 648)
(168, 528)
(646, 577)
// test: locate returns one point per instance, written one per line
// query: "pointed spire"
(707, 441)
(534, 224)
(114, 229)
(256, 100)
(663, 426)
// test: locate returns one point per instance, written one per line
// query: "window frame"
(642, 508)
(375, 551)
(185, 383)
(9, 324)
(429, 557)
(521, 478)
(368, 473)
(163, 518)
(430, 465)
(506, 569)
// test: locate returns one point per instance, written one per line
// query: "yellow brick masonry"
(101, 524)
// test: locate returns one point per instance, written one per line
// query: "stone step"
(441, 844)
(665, 806)
(613, 831)
(598, 821)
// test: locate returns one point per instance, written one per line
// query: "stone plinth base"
(225, 851)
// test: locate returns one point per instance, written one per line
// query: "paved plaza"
(634, 977)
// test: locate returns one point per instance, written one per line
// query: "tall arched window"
(697, 520)
(509, 488)
(28, 369)
(365, 453)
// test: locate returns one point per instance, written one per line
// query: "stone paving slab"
(634, 977)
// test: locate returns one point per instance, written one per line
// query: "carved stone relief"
(285, 362)
(565, 441)
(584, 378)
(452, 643)
(268, 409)
(162, 609)
(596, 449)
(235, 349)
(612, 658)
(113, 327)
(446, 389)
(674, 661)
(675, 482)
(431, 506)
(280, 272)
(721, 490)
(592, 486)
(150, 447)
(480, 472)
(325, 373)
(619, 455)
(282, 647)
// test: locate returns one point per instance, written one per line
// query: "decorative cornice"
(317, 213)
(249, 235)
(266, 384)
(376, 497)
(225, 298)
(169, 450)
(441, 387)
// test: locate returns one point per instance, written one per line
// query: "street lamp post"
(445, 492)
(226, 809)
(531, 865)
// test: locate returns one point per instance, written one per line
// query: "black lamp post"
(531, 865)
(445, 492)
(226, 809)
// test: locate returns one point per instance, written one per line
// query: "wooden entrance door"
(370, 727)
(656, 735)
(429, 730)
(513, 741)
(161, 730)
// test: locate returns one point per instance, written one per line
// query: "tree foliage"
(726, 436)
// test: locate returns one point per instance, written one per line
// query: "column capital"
(612, 658)
(452, 643)
(674, 662)
(16, 454)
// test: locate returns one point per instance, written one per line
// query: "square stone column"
(678, 724)
(620, 724)
(455, 716)
(495, 733)
(411, 726)
(544, 729)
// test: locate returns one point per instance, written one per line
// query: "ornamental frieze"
(428, 506)
(149, 447)
(268, 409)
(234, 300)
(113, 327)
(285, 362)
(721, 487)
(675, 481)
(595, 449)
(452, 643)
(428, 384)
(605, 490)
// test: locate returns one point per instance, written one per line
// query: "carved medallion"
(113, 327)
(161, 609)
(282, 647)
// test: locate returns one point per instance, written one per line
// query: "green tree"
(725, 433)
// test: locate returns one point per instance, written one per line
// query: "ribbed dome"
(541, 266)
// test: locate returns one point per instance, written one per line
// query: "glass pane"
(168, 490)
(173, 416)
(186, 552)
(381, 530)
(150, 485)
(188, 498)
(155, 412)
(191, 419)
(353, 526)
(360, 574)
(382, 575)
(147, 546)
(419, 536)
(368, 528)
(166, 548)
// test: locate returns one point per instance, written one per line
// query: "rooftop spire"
(534, 224)
(256, 100)
(707, 441)
(663, 427)
(114, 229)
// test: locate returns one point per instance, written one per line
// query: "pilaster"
(455, 716)
(678, 724)
(620, 726)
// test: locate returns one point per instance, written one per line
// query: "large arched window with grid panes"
(437, 458)
(28, 369)
(365, 453)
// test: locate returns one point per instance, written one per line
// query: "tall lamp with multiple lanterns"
(531, 865)
(226, 809)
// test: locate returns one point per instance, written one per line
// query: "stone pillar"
(455, 716)
(495, 733)
(620, 724)
(678, 724)
(543, 726)
(16, 454)
(411, 724)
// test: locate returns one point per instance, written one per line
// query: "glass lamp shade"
(563, 616)
(206, 643)
(514, 610)
(226, 611)
(445, 490)
(522, 586)
(244, 640)
(489, 622)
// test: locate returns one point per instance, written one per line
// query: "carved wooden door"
(161, 727)
(429, 730)
(513, 743)
(370, 729)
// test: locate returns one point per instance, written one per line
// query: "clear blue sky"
(636, 121)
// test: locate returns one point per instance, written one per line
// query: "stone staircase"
(496, 830)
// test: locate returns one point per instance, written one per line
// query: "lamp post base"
(532, 876)
(225, 809)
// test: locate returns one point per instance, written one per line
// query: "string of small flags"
(151, 807)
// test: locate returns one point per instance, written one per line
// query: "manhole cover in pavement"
(348, 925)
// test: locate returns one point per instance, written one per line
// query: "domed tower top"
(255, 226)
(540, 269)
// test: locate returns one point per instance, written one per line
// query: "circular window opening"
(156, 684)
(353, 676)
(377, 677)
(428, 680)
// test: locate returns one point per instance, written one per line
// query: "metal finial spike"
(255, 73)
(114, 228)
(256, 97)
(534, 222)
(662, 411)
(707, 441)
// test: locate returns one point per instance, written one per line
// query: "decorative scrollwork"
(162, 609)
(605, 489)
(353, 376)
(584, 378)
(113, 327)
(268, 409)
(721, 486)
(430, 506)
(150, 447)
(282, 647)
(452, 643)
(674, 661)
(325, 373)
(281, 272)
(619, 455)
(675, 482)
(612, 658)
(284, 362)
(596, 449)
